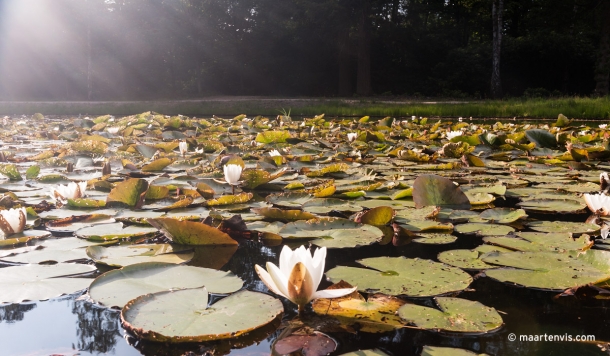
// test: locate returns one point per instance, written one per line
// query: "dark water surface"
(72, 325)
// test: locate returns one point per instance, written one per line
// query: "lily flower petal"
(333, 293)
(266, 278)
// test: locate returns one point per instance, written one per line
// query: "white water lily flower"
(71, 191)
(113, 130)
(183, 147)
(351, 136)
(299, 276)
(598, 203)
(12, 221)
(452, 134)
(274, 153)
(603, 126)
(460, 119)
(232, 173)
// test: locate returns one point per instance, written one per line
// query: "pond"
(513, 233)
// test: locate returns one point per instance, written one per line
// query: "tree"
(496, 15)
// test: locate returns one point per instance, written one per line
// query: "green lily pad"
(429, 189)
(332, 233)
(554, 271)
(120, 256)
(41, 282)
(283, 215)
(86, 203)
(465, 259)
(191, 232)
(230, 199)
(253, 178)
(425, 225)
(575, 228)
(157, 165)
(536, 241)
(561, 206)
(23, 237)
(129, 193)
(326, 205)
(454, 315)
(369, 352)
(289, 200)
(482, 229)
(447, 351)
(501, 215)
(272, 136)
(114, 231)
(380, 215)
(184, 315)
(117, 287)
(435, 239)
(10, 170)
(402, 276)
(53, 250)
(480, 198)
(375, 314)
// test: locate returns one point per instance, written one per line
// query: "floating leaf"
(454, 314)
(542, 138)
(326, 205)
(10, 170)
(191, 232)
(332, 233)
(284, 215)
(380, 215)
(130, 193)
(465, 259)
(555, 271)
(115, 231)
(402, 276)
(502, 215)
(155, 192)
(252, 178)
(120, 256)
(157, 165)
(481, 229)
(563, 226)
(32, 172)
(86, 203)
(230, 199)
(375, 314)
(434, 190)
(117, 287)
(41, 282)
(333, 168)
(272, 136)
(184, 316)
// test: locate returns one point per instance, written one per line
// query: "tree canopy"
(167, 49)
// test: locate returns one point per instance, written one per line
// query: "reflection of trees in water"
(15, 312)
(248, 254)
(97, 327)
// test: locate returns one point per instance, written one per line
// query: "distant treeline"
(169, 49)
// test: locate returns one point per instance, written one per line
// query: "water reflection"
(97, 327)
(14, 312)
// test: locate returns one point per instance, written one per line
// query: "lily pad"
(332, 233)
(453, 315)
(130, 193)
(429, 189)
(184, 315)
(435, 239)
(191, 232)
(117, 287)
(447, 351)
(114, 231)
(402, 276)
(554, 271)
(380, 215)
(575, 228)
(283, 215)
(23, 237)
(41, 282)
(502, 215)
(326, 205)
(482, 229)
(120, 256)
(375, 314)
(465, 259)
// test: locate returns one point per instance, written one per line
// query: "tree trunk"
(344, 59)
(496, 15)
(363, 80)
(602, 67)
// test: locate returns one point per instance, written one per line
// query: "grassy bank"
(583, 108)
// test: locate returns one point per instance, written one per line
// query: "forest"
(72, 50)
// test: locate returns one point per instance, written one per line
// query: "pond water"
(537, 319)
(70, 326)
